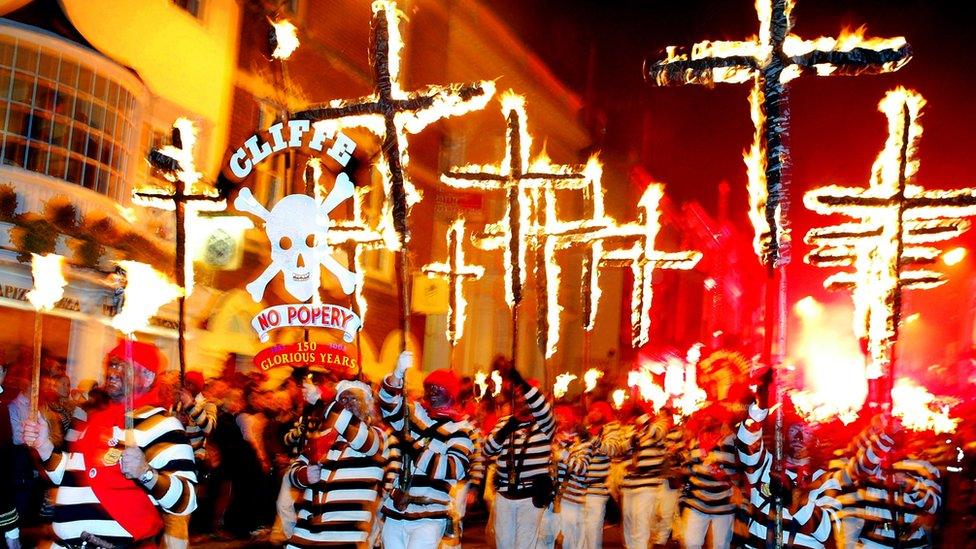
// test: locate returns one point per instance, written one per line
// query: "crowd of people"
(323, 459)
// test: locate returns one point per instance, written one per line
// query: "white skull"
(296, 229)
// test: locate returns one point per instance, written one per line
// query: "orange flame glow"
(919, 409)
(49, 281)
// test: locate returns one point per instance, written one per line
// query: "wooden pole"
(35, 387)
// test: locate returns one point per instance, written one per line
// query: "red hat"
(143, 354)
(194, 381)
(445, 379)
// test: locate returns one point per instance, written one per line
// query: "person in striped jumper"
(111, 490)
(902, 483)
(521, 444)
(571, 457)
(339, 473)
(649, 499)
(604, 438)
(711, 468)
(435, 454)
(199, 415)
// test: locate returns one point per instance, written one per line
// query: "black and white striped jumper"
(440, 451)
(711, 476)
(572, 459)
(610, 443)
(532, 442)
(202, 416)
(77, 508)
(650, 440)
(917, 499)
(339, 509)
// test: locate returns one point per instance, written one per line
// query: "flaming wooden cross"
(177, 165)
(771, 61)
(456, 272)
(896, 219)
(524, 223)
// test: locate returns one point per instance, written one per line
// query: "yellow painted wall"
(183, 59)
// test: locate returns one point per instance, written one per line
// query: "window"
(271, 181)
(190, 6)
(63, 119)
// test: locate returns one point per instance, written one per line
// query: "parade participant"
(711, 466)
(198, 414)
(603, 436)
(435, 454)
(108, 490)
(9, 519)
(571, 457)
(340, 473)
(521, 444)
(649, 493)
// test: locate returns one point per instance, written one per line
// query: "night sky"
(693, 137)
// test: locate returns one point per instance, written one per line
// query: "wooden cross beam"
(456, 271)
(772, 61)
(177, 166)
(896, 219)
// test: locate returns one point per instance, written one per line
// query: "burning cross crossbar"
(771, 61)
(456, 271)
(176, 163)
(524, 222)
(896, 220)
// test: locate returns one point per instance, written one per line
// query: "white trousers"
(850, 530)
(284, 525)
(594, 511)
(696, 527)
(571, 522)
(518, 523)
(648, 515)
(413, 534)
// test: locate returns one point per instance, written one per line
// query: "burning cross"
(456, 272)
(176, 163)
(390, 113)
(895, 220)
(641, 257)
(523, 225)
(772, 61)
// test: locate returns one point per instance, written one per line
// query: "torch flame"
(146, 291)
(49, 281)
(286, 39)
(496, 378)
(561, 386)
(590, 378)
(481, 382)
(648, 390)
(919, 409)
(618, 396)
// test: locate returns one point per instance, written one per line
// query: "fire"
(49, 281)
(755, 160)
(954, 256)
(481, 382)
(146, 291)
(618, 396)
(590, 378)
(833, 368)
(648, 390)
(919, 409)
(896, 218)
(561, 386)
(456, 271)
(496, 378)
(285, 38)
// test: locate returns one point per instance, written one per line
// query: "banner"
(307, 316)
(305, 353)
(431, 296)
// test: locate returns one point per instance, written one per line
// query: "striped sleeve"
(749, 442)
(476, 475)
(541, 411)
(391, 403)
(203, 414)
(356, 433)
(167, 450)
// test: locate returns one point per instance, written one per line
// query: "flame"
(481, 382)
(648, 390)
(590, 377)
(456, 272)
(755, 159)
(954, 256)
(833, 369)
(146, 291)
(49, 281)
(618, 396)
(871, 245)
(919, 409)
(286, 39)
(674, 377)
(496, 378)
(561, 385)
